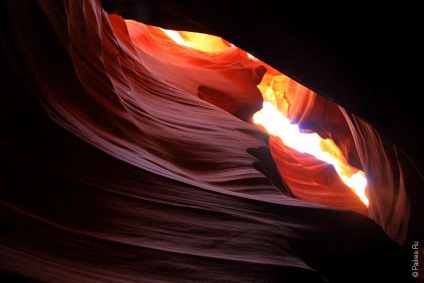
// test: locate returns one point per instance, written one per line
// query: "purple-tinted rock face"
(129, 158)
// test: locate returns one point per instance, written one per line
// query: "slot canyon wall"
(129, 158)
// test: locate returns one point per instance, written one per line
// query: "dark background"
(366, 58)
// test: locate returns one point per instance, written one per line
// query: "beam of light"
(273, 118)
(311, 143)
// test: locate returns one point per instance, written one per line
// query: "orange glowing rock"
(284, 98)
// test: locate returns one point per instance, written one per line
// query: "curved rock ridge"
(127, 159)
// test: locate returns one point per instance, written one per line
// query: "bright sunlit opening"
(311, 143)
(198, 41)
(272, 118)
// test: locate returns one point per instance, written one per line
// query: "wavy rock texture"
(129, 158)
